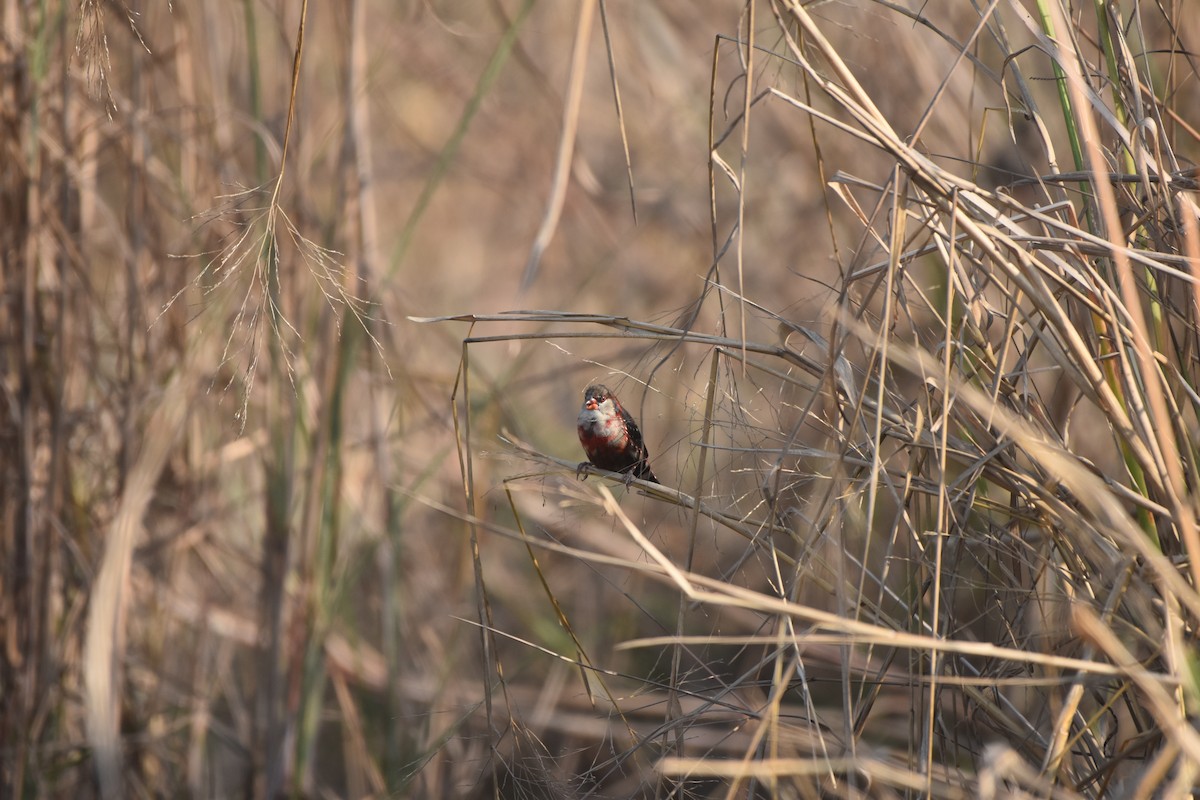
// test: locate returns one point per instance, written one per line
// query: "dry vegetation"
(917, 353)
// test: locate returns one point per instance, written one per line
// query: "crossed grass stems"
(946, 471)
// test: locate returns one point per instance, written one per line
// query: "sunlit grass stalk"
(1111, 41)
(1104, 331)
(1045, 17)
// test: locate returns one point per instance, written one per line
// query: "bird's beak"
(590, 404)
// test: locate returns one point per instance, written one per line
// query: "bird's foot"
(583, 470)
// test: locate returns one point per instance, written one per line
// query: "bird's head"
(596, 396)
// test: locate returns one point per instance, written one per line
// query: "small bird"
(610, 437)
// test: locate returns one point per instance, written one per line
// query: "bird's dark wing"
(641, 454)
(635, 435)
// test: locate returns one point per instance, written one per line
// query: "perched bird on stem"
(610, 437)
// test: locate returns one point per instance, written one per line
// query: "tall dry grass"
(904, 298)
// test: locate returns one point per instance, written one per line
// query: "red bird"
(610, 437)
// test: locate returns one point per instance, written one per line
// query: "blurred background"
(258, 507)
